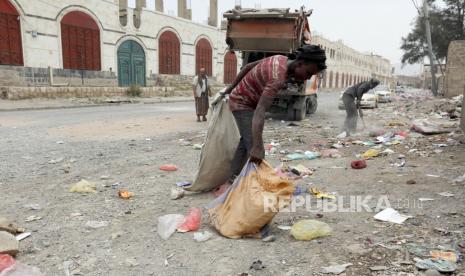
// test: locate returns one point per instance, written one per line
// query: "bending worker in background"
(252, 93)
(348, 98)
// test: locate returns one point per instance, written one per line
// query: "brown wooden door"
(80, 37)
(169, 49)
(230, 67)
(11, 51)
(203, 56)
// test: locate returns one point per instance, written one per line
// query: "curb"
(90, 105)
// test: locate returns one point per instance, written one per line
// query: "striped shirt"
(266, 78)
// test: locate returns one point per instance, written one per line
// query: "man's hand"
(257, 154)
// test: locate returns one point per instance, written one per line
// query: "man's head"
(374, 82)
(310, 60)
(202, 72)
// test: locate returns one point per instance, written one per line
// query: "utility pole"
(434, 87)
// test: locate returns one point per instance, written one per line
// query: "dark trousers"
(244, 124)
(350, 124)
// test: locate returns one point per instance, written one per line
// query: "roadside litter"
(335, 269)
(430, 127)
(321, 195)
(202, 236)
(252, 201)
(306, 230)
(169, 168)
(331, 153)
(96, 224)
(358, 164)
(370, 153)
(168, 224)
(308, 155)
(177, 193)
(191, 221)
(83, 186)
(440, 265)
(10, 267)
(125, 194)
(391, 215)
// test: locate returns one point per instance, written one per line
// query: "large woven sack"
(251, 202)
(218, 150)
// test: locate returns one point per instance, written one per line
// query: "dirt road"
(45, 152)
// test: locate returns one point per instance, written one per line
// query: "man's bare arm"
(257, 153)
(240, 76)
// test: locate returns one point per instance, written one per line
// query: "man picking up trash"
(348, 98)
(252, 93)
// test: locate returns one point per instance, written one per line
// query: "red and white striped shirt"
(266, 78)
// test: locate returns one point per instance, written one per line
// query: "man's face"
(202, 72)
(305, 71)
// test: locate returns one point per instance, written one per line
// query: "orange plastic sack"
(191, 221)
(251, 202)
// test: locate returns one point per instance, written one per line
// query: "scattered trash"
(378, 268)
(460, 179)
(8, 244)
(370, 153)
(440, 265)
(396, 123)
(319, 194)
(301, 170)
(387, 152)
(125, 194)
(446, 194)
(444, 255)
(83, 186)
(337, 146)
(257, 265)
(202, 236)
(391, 215)
(191, 221)
(169, 168)
(358, 164)
(33, 218)
(19, 269)
(269, 238)
(331, 153)
(183, 183)
(307, 230)
(177, 193)
(197, 146)
(105, 177)
(423, 199)
(335, 269)
(285, 227)
(428, 127)
(55, 161)
(342, 135)
(168, 224)
(433, 175)
(6, 261)
(309, 155)
(167, 258)
(96, 224)
(34, 207)
(22, 236)
(411, 182)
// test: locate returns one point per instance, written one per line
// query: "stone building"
(105, 43)
(455, 69)
(347, 66)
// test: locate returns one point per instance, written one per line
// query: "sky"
(371, 26)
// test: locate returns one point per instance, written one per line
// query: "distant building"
(455, 71)
(347, 66)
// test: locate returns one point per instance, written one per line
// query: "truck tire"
(312, 104)
(297, 109)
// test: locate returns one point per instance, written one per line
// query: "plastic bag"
(306, 230)
(169, 168)
(167, 225)
(251, 202)
(191, 221)
(83, 186)
(6, 261)
(19, 269)
(219, 148)
(370, 153)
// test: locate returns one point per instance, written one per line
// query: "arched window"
(11, 51)
(343, 84)
(230, 67)
(337, 80)
(203, 56)
(169, 55)
(80, 40)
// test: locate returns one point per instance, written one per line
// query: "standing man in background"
(201, 89)
(348, 98)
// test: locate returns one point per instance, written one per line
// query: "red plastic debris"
(169, 168)
(191, 221)
(358, 164)
(6, 261)
(401, 133)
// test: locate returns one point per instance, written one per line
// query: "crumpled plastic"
(370, 153)
(306, 230)
(191, 221)
(167, 225)
(169, 168)
(83, 186)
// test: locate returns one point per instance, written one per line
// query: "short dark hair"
(312, 54)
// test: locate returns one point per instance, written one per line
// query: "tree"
(447, 24)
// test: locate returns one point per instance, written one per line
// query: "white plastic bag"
(168, 224)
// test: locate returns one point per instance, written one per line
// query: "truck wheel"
(297, 110)
(312, 104)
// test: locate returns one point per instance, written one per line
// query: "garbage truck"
(261, 33)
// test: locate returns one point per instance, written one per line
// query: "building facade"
(347, 66)
(105, 43)
(455, 69)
